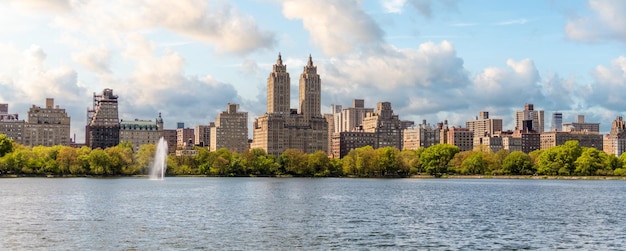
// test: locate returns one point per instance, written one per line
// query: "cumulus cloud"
(96, 59)
(337, 27)
(159, 84)
(609, 83)
(518, 83)
(607, 21)
(216, 22)
(423, 7)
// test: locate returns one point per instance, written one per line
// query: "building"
(103, 126)
(170, 136)
(581, 126)
(203, 134)
(230, 130)
(10, 124)
(461, 137)
(281, 127)
(557, 121)
(424, 135)
(615, 141)
(46, 126)
(493, 143)
(386, 126)
(184, 137)
(140, 132)
(529, 113)
(351, 118)
(484, 126)
(344, 142)
(584, 138)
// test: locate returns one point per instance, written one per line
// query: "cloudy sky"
(433, 60)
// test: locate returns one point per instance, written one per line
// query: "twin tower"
(282, 127)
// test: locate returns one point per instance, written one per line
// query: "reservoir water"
(310, 214)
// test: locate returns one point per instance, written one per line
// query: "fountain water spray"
(159, 164)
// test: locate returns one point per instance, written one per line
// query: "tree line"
(438, 160)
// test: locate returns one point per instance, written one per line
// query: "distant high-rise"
(282, 128)
(230, 130)
(103, 125)
(484, 126)
(535, 117)
(615, 141)
(140, 132)
(557, 121)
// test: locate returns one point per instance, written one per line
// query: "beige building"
(46, 126)
(203, 134)
(585, 139)
(10, 124)
(484, 126)
(230, 130)
(139, 132)
(424, 135)
(581, 126)
(385, 124)
(184, 137)
(103, 125)
(281, 127)
(171, 136)
(615, 141)
(535, 117)
(351, 118)
(461, 137)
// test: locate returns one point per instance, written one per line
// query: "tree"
(474, 164)
(435, 159)
(294, 162)
(6, 145)
(99, 162)
(517, 163)
(319, 163)
(589, 162)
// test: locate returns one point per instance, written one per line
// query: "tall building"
(581, 126)
(484, 126)
(615, 141)
(458, 136)
(170, 135)
(230, 130)
(10, 124)
(282, 128)
(203, 134)
(424, 135)
(557, 121)
(385, 124)
(351, 118)
(103, 126)
(529, 113)
(47, 126)
(184, 137)
(140, 132)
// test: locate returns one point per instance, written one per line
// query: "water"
(311, 214)
(159, 165)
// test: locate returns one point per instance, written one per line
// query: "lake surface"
(310, 214)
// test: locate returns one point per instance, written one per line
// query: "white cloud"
(96, 59)
(393, 6)
(610, 82)
(43, 5)
(216, 22)
(337, 27)
(606, 22)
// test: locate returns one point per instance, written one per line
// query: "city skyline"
(432, 60)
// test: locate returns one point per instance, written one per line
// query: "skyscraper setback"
(103, 125)
(281, 127)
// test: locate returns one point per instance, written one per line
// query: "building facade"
(581, 126)
(230, 130)
(184, 137)
(585, 139)
(10, 124)
(424, 135)
(386, 126)
(140, 132)
(458, 136)
(557, 121)
(536, 118)
(203, 134)
(483, 126)
(46, 126)
(615, 141)
(281, 127)
(103, 125)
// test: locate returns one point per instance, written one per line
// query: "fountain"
(159, 164)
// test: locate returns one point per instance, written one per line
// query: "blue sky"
(433, 60)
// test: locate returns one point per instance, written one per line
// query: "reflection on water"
(291, 213)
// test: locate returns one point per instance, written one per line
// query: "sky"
(433, 60)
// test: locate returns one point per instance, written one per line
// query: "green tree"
(6, 145)
(589, 162)
(99, 162)
(388, 161)
(474, 164)
(517, 163)
(319, 163)
(294, 162)
(435, 159)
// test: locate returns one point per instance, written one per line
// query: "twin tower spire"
(279, 87)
